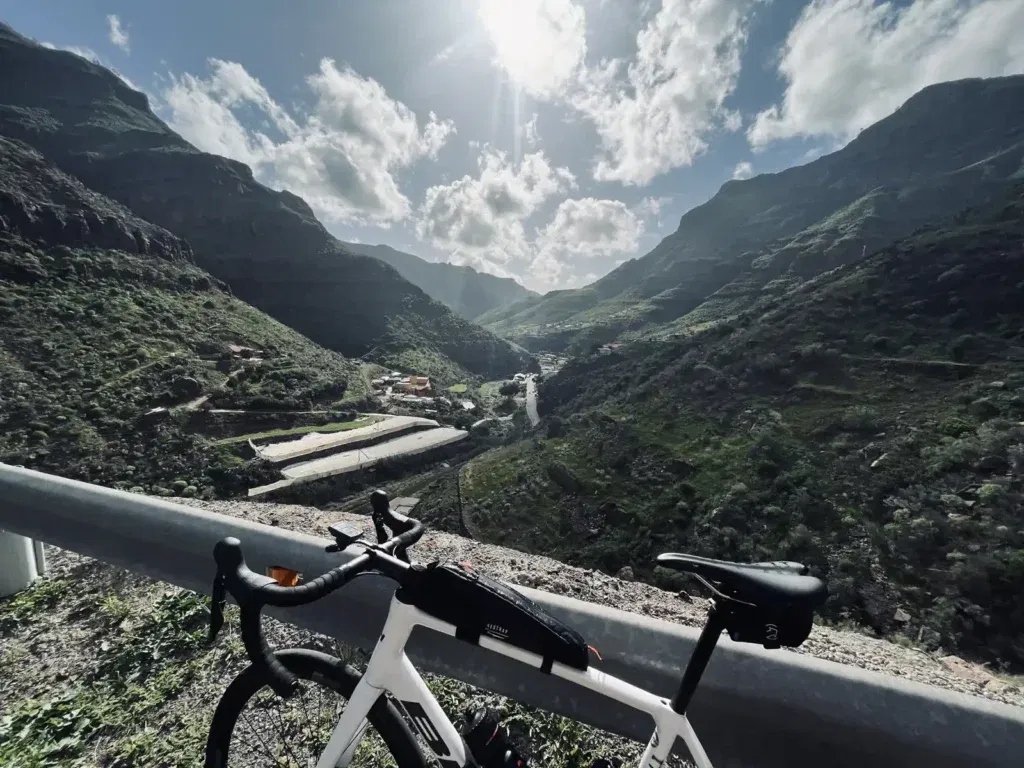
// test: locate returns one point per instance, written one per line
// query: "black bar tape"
(287, 597)
(278, 677)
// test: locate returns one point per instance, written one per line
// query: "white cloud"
(541, 44)
(530, 134)
(443, 55)
(849, 63)
(118, 35)
(78, 50)
(200, 115)
(484, 215)
(591, 227)
(656, 113)
(479, 262)
(652, 113)
(481, 221)
(650, 207)
(743, 171)
(581, 231)
(342, 158)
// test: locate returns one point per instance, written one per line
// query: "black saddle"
(778, 585)
(771, 604)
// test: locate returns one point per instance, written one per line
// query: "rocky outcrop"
(40, 203)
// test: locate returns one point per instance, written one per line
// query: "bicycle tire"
(313, 668)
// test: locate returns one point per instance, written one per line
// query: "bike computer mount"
(343, 534)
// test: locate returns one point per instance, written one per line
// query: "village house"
(415, 385)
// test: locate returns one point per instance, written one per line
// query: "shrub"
(961, 346)
(509, 389)
(954, 426)
(859, 418)
(990, 491)
(985, 408)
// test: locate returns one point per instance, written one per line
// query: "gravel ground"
(543, 573)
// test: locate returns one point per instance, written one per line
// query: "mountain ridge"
(463, 289)
(105, 317)
(266, 245)
(949, 146)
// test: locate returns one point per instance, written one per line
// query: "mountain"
(462, 289)
(950, 146)
(267, 246)
(105, 317)
(869, 422)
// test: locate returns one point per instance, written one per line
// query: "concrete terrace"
(314, 442)
(361, 458)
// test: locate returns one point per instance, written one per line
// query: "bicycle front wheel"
(252, 726)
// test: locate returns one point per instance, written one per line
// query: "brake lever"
(218, 600)
(381, 507)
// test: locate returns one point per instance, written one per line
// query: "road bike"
(771, 604)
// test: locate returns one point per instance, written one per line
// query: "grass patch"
(458, 389)
(336, 426)
(139, 671)
(27, 605)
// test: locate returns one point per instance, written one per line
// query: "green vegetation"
(510, 389)
(545, 739)
(950, 146)
(24, 606)
(335, 426)
(867, 424)
(423, 362)
(145, 683)
(267, 245)
(458, 389)
(93, 337)
(140, 667)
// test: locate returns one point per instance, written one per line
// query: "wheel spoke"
(301, 725)
(248, 722)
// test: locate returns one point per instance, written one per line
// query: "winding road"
(531, 400)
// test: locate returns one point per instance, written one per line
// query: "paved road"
(531, 401)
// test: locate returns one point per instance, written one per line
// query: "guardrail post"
(18, 563)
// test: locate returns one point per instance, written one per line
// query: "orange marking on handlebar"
(286, 577)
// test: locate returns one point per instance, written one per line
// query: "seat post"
(698, 661)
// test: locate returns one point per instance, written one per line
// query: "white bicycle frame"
(389, 670)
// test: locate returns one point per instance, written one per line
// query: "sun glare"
(514, 27)
(539, 43)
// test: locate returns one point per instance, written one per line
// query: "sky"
(545, 140)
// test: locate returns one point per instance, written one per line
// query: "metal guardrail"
(754, 708)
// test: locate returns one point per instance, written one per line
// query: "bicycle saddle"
(766, 585)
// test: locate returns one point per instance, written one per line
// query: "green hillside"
(950, 146)
(104, 317)
(870, 422)
(266, 245)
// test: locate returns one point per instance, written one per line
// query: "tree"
(509, 389)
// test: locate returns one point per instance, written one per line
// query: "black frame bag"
(478, 605)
